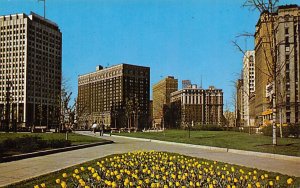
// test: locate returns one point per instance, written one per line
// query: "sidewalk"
(13, 172)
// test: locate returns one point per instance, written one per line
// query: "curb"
(228, 150)
(51, 151)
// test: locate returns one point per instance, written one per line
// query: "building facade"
(199, 106)
(239, 107)
(186, 84)
(248, 86)
(286, 62)
(116, 96)
(30, 70)
(161, 98)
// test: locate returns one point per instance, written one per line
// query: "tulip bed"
(162, 169)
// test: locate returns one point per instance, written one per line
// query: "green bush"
(287, 131)
(58, 143)
(206, 128)
(27, 144)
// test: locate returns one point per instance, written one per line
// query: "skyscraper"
(248, 85)
(277, 56)
(162, 96)
(117, 96)
(30, 70)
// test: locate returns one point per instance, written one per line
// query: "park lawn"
(49, 179)
(75, 139)
(225, 139)
(54, 140)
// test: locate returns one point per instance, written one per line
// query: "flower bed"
(161, 169)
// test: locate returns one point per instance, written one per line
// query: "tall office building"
(30, 70)
(117, 96)
(248, 85)
(288, 64)
(197, 105)
(239, 107)
(286, 29)
(161, 97)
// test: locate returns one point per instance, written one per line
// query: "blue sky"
(183, 38)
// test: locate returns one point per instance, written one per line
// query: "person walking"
(101, 129)
(94, 126)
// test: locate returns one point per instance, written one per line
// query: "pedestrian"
(101, 129)
(94, 126)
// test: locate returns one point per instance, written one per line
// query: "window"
(286, 31)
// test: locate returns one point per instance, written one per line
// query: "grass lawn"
(24, 143)
(49, 179)
(76, 139)
(225, 139)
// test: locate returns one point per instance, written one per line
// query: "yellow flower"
(57, 181)
(177, 184)
(36, 186)
(140, 182)
(198, 184)
(165, 186)
(43, 185)
(82, 183)
(271, 183)
(63, 184)
(257, 184)
(277, 178)
(170, 184)
(266, 176)
(153, 185)
(249, 185)
(82, 168)
(289, 181)
(64, 175)
(147, 181)
(113, 184)
(76, 171)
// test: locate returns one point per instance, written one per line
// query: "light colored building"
(288, 64)
(248, 86)
(117, 96)
(30, 70)
(161, 98)
(263, 62)
(286, 40)
(199, 106)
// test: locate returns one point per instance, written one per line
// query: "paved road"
(16, 171)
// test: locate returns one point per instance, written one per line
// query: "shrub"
(206, 128)
(27, 144)
(287, 131)
(58, 143)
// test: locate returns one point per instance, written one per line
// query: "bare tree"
(129, 108)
